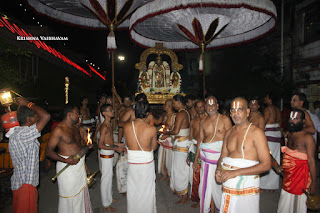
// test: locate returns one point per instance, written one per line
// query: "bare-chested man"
(106, 154)
(190, 106)
(84, 111)
(212, 131)
(194, 137)
(255, 116)
(141, 139)
(244, 156)
(297, 101)
(272, 117)
(181, 130)
(165, 141)
(72, 183)
(129, 115)
(298, 166)
(127, 103)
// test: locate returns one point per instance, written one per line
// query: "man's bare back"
(146, 135)
(272, 115)
(129, 116)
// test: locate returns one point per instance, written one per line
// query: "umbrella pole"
(204, 83)
(204, 71)
(112, 65)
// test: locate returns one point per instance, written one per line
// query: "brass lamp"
(6, 97)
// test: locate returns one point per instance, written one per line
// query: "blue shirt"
(24, 152)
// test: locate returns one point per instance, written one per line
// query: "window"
(312, 24)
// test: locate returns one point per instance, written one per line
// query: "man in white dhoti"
(298, 165)
(244, 156)
(181, 144)
(272, 117)
(72, 183)
(107, 147)
(195, 164)
(165, 141)
(212, 131)
(141, 139)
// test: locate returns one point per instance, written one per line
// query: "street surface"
(48, 195)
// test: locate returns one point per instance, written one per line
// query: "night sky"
(247, 70)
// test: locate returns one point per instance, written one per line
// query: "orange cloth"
(296, 171)
(25, 199)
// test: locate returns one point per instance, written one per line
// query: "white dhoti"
(165, 155)
(73, 190)
(141, 196)
(270, 179)
(167, 145)
(106, 158)
(161, 158)
(240, 194)
(180, 169)
(209, 188)
(291, 203)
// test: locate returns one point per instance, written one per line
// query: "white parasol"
(91, 14)
(201, 24)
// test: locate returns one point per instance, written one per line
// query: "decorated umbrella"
(201, 24)
(97, 14)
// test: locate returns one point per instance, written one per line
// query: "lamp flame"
(162, 128)
(89, 141)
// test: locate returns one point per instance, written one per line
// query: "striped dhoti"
(240, 194)
(270, 179)
(208, 188)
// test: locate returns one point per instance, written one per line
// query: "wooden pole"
(112, 64)
(204, 71)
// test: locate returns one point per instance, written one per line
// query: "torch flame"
(162, 128)
(89, 141)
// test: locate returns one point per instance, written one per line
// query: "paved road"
(48, 196)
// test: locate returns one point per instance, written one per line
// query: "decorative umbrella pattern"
(201, 24)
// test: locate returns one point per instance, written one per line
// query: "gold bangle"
(30, 104)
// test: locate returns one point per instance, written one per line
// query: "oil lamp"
(9, 119)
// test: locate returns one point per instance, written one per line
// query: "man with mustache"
(298, 166)
(212, 131)
(244, 155)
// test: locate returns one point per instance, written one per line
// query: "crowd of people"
(220, 159)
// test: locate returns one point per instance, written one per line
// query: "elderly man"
(244, 156)
(212, 131)
(298, 166)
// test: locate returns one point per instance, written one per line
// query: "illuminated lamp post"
(121, 57)
(9, 119)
